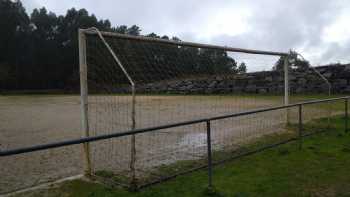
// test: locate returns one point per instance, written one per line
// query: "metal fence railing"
(209, 163)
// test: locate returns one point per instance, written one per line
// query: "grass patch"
(321, 168)
(333, 105)
(183, 166)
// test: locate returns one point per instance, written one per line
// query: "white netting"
(175, 82)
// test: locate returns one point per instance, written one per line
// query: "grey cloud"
(277, 25)
(336, 52)
(296, 25)
(286, 25)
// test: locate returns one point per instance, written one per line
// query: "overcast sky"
(318, 29)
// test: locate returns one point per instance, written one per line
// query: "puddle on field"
(195, 140)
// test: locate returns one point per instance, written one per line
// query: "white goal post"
(83, 33)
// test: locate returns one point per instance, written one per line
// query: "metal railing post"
(133, 141)
(210, 184)
(300, 129)
(329, 109)
(346, 115)
(286, 86)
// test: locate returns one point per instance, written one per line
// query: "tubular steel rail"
(210, 163)
(182, 43)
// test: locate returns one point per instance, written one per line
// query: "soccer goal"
(130, 82)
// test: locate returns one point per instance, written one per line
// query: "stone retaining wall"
(301, 81)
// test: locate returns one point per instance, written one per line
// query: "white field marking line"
(42, 186)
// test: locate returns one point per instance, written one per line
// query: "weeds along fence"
(212, 155)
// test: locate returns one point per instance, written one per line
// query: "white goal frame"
(84, 81)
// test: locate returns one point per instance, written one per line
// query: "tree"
(294, 62)
(279, 65)
(242, 68)
(14, 26)
(174, 38)
(134, 30)
(165, 37)
(301, 64)
(44, 49)
(152, 35)
(217, 61)
(120, 29)
(14, 23)
(48, 48)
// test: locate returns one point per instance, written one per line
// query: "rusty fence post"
(300, 129)
(210, 172)
(346, 115)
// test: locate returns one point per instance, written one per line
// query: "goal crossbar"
(183, 43)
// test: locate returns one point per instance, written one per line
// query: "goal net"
(139, 82)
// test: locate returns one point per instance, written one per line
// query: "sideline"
(42, 186)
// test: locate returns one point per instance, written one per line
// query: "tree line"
(40, 50)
